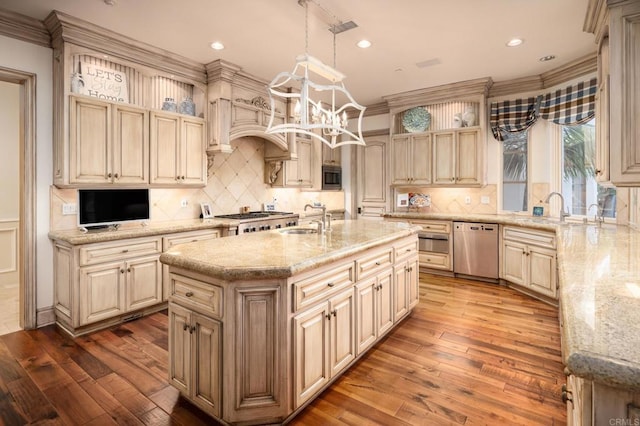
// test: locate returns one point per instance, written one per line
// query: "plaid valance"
(512, 116)
(572, 105)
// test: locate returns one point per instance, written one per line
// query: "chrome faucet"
(598, 217)
(563, 213)
(324, 215)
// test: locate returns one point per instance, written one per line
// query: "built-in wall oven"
(331, 177)
(432, 242)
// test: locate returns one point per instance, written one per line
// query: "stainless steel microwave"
(331, 177)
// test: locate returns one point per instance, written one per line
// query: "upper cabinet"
(331, 156)
(616, 25)
(109, 91)
(438, 135)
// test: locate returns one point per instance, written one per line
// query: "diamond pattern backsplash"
(237, 181)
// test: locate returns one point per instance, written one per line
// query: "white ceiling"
(466, 37)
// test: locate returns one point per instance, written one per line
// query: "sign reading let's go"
(103, 83)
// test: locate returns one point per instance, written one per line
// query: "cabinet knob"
(334, 312)
(192, 329)
(330, 284)
(328, 316)
(109, 175)
(116, 176)
(185, 327)
(125, 251)
(122, 271)
(189, 294)
(129, 269)
(183, 178)
(377, 263)
(598, 171)
(567, 396)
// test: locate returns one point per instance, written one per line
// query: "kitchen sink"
(298, 231)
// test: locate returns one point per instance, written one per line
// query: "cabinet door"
(400, 173)
(342, 332)
(305, 162)
(542, 271)
(192, 156)
(180, 348)
(366, 314)
(400, 291)
(444, 158)
(468, 158)
(291, 173)
(413, 282)
(311, 340)
(130, 145)
(205, 363)
(101, 292)
(144, 282)
(602, 129)
(331, 156)
(384, 302)
(89, 141)
(514, 264)
(420, 159)
(165, 149)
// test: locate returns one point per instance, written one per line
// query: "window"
(515, 172)
(579, 187)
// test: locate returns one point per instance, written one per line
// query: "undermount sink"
(298, 231)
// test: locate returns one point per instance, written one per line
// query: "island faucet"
(598, 217)
(324, 214)
(563, 213)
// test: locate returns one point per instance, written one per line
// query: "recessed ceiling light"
(216, 45)
(110, 2)
(515, 42)
(364, 44)
(547, 58)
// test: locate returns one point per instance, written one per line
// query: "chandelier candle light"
(311, 117)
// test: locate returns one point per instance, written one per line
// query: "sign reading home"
(103, 83)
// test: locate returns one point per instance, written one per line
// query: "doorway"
(18, 222)
(370, 173)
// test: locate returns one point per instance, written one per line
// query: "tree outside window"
(579, 186)
(514, 172)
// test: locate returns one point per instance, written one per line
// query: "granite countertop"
(274, 254)
(599, 277)
(76, 237)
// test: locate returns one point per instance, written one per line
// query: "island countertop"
(599, 278)
(277, 254)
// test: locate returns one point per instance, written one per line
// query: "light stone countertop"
(76, 237)
(599, 277)
(274, 254)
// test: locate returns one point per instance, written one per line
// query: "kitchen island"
(260, 324)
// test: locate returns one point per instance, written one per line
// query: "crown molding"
(376, 109)
(24, 28)
(68, 29)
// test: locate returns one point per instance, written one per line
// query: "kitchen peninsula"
(260, 324)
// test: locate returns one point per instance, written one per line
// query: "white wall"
(10, 142)
(26, 57)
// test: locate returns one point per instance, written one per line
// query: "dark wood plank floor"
(470, 354)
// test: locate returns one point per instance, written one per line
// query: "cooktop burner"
(251, 215)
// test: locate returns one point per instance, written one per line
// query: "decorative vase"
(77, 82)
(188, 107)
(469, 117)
(457, 120)
(169, 105)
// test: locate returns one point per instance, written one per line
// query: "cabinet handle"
(192, 329)
(122, 271)
(189, 294)
(567, 396)
(334, 313)
(453, 179)
(408, 250)
(378, 263)
(183, 178)
(125, 251)
(598, 171)
(330, 284)
(129, 269)
(185, 327)
(410, 269)
(109, 175)
(328, 316)
(116, 176)
(194, 241)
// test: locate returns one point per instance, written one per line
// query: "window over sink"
(515, 172)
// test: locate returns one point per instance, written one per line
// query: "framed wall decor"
(207, 213)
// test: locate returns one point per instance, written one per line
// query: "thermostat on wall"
(538, 211)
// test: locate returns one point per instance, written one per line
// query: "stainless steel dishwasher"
(475, 249)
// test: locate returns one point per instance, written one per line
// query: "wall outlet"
(184, 203)
(467, 199)
(484, 199)
(69, 208)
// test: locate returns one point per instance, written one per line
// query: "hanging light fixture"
(327, 122)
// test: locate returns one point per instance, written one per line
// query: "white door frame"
(27, 230)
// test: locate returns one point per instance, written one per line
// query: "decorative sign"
(103, 83)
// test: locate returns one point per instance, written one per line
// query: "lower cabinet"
(324, 344)
(374, 307)
(529, 260)
(194, 348)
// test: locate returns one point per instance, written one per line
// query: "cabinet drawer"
(529, 236)
(435, 261)
(433, 225)
(406, 249)
(188, 237)
(119, 250)
(372, 263)
(320, 286)
(206, 298)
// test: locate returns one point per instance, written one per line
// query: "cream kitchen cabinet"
(298, 173)
(405, 283)
(331, 156)
(529, 260)
(324, 343)
(195, 348)
(108, 143)
(374, 308)
(457, 157)
(177, 150)
(411, 159)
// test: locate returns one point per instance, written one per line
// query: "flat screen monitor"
(102, 207)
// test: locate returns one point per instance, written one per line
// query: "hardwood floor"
(470, 354)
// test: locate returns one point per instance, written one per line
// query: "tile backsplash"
(237, 180)
(453, 200)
